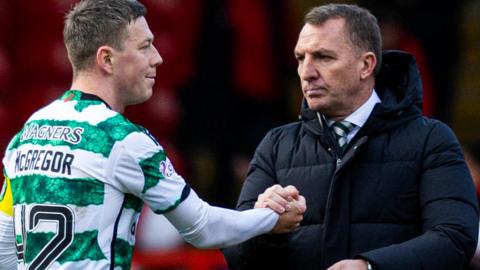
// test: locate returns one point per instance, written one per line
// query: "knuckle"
(276, 187)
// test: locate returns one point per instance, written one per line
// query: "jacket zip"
(340, 164)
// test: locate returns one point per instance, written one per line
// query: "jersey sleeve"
(206, 226)
(138, 165)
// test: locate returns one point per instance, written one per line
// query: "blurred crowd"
(229, 76)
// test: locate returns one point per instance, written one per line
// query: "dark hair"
(361, 24)
(95, 23)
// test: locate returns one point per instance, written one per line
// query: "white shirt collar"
(360, 116)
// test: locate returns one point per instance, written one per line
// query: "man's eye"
(324, 57)
(146, 46)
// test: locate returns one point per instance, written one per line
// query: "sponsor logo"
(68, 134)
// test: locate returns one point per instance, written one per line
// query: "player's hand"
(291, 218)
(349, 265)
(277, 198)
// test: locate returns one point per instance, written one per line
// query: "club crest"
(166, 168)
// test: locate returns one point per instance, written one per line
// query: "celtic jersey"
(79, 173)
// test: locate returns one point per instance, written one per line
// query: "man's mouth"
(314, 91)
(151, 77)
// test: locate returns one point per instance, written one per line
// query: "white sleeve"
(8, 257)
(206, 226)
(139, 166)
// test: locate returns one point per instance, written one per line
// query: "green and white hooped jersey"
(80, 173)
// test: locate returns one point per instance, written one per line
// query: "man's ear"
(369, 61)
(104, 59)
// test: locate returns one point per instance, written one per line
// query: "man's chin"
(314, 105)
(142, 99)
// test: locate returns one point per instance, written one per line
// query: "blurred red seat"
(42, 58)
(187, 258)
(44, 16)
(27, 97)
(5, 23)
(176, 27)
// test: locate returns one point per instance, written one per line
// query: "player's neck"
(91, 84)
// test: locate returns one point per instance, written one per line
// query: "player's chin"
(145, 95)
(316, 103)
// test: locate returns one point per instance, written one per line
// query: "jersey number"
(63, 218)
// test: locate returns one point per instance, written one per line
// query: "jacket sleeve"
(449, 212)
(265, 251)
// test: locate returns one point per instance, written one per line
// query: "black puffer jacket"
(401, 197)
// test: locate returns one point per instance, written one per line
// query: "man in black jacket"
(386, 188)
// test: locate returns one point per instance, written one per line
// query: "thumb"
(302, 204)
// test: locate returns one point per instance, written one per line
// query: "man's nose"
(308, 71)
(157, 60)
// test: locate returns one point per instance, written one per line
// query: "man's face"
(135, 66)
(329, 68)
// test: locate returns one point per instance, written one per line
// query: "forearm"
(7, 243)
(206, 226)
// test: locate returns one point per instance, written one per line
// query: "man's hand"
(349, 265)
(291, 218)
(277, 198)
(287, 202)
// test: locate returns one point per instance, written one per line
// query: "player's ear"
(369, 61)
(104, 59)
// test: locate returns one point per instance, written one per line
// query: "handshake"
(287, 202)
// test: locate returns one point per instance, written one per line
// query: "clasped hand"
(287, 202)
